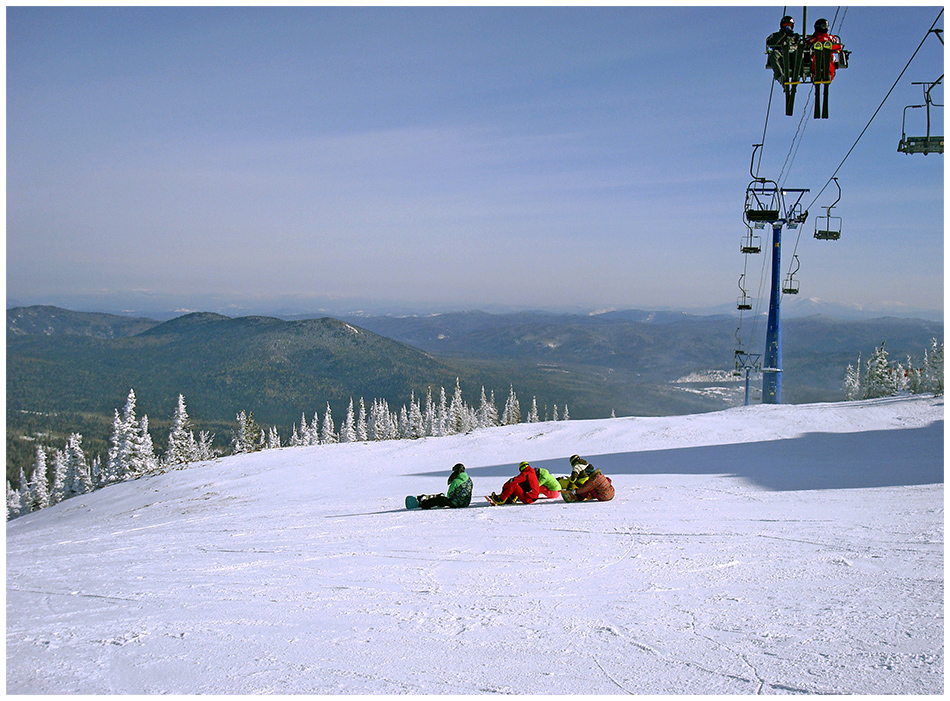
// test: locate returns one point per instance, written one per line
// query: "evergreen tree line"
(431, 417)
(132, 452)
(878, 377)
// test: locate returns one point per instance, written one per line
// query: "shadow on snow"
(886, 458)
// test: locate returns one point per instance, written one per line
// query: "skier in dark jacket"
(459, 493)
(523, 487)
(774, 43)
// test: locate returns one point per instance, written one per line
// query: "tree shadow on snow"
(887, 458)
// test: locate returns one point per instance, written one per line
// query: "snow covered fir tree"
(60, 474)
(878, 377)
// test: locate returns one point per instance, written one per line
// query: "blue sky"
(450, 158)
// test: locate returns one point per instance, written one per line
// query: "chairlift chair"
(921, 144)
(751, 243)
(763, 199)
(791, 285)
(828, 228)
(763, 202)
(743, 303)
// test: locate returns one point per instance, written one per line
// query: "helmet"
(821, 26)
(577, 460)
(590, 470)
(459, 467)
(523, 466)
(787, 24)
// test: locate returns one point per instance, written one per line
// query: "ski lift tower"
(768, 203)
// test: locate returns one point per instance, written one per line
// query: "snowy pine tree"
(932, 370)
(879, 378)
(273, 438)
(417, 423)
(58, 487)
(95, 472)
(122, 445)
(533, 411)
(362, 428)
(852, 381)
(442, 415)
(182, 446)
(78, 475)
(13, 502)
(144, 461)
(246, 438)
(348, 429)
(39, 483)
(328, 433)
(456, 423)
(487, 413)
(512, 413)
(205, 446)
(26, 501)
(428, 414)
(295, 438)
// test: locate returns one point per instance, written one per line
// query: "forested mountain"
(661, 347)
(53, 321)
(68, 371)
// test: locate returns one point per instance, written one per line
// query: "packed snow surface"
(763, 549)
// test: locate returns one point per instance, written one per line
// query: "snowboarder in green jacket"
(459, 493)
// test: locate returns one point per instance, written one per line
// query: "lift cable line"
(866, 126)
(766, 204)
(833, 177)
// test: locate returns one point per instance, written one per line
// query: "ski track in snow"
(760, 550)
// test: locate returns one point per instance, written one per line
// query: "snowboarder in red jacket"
(523, 487)
(832, 41)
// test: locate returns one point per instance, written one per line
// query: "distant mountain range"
(65, 366)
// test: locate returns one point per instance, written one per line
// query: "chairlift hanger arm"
(927, 92)
(837, 185)
(755, 178)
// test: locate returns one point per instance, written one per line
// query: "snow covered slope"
(765, 549)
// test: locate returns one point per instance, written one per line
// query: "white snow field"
(762, 549)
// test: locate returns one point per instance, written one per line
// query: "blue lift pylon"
(766, 203)
(772, 358)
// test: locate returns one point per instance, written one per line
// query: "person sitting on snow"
(459, 492)
(577, 477)
(597, 486)
(548, 486)
(523, 487)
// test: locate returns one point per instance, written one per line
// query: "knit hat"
(456, 471)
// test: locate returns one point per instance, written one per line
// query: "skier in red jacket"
(821, 37)
(523, 487)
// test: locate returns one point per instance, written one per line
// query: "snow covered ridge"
(761, 549)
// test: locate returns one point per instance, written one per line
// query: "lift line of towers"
(796, 60)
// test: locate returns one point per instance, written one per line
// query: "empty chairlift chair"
(928, 143)
(828, 228)
(751, 243)
(791, 285)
